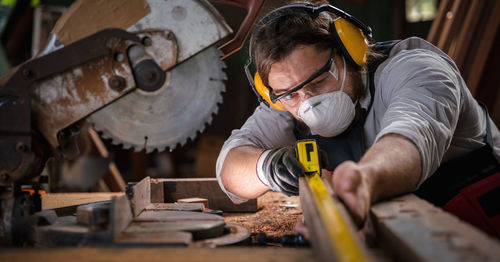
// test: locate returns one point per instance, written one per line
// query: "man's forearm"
(392, 166)
(239, 175)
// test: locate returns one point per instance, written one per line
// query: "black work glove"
(282, 170)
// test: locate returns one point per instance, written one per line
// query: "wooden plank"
(438, 23)
(157, 193)
(229, 254)
(485, 45)
(203, 201)
(121, 215)
(322, 240)
(447, 39)
(204, 188)
(465, 36)
(58, 200)
(102, 186)
(141, 196)
(113, 179)
(195, 207)
(447, 23)
(414, 230)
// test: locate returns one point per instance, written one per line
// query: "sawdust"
(277, 215)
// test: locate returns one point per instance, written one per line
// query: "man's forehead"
(297, 67)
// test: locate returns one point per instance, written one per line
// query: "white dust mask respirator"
(328, 114)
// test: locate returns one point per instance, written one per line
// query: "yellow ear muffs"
(263, 91)
(353, 40)
(351, 35)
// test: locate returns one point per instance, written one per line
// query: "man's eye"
(290, 96)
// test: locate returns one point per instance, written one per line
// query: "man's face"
(299, 66)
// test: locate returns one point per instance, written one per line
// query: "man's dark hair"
(277, 39)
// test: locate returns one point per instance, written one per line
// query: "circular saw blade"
(170, 115)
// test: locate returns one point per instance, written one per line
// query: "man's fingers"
(293, 166)
(346, 177)
(286, 183)
(355, 208)
(348, 185)
(302, 229)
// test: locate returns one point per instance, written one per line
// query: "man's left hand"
(351, 185)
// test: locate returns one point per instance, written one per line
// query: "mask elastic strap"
(335, 72)
(343, 80)
(343, 75)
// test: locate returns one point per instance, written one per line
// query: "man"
(387, 120)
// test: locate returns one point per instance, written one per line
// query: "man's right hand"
(282, 170)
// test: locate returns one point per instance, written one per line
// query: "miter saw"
(146, 73)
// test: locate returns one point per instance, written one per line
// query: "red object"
(32, 191)
(479, 204)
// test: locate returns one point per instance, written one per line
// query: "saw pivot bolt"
(146, 41)
(117, 83)
(148, 75)
(119, 57)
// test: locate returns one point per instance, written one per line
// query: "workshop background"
(468, 38)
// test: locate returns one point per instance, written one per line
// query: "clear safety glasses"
(288, 94)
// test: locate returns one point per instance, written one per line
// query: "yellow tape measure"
(343, 240)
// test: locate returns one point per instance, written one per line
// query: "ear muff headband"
(351, 34)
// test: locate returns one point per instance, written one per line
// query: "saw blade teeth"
(209, 121)
(104, 135)
(115, 142)
(122, 123)
(171, 148)
(193, 136)
(219, 101)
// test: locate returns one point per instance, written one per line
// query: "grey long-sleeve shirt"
(419, 94)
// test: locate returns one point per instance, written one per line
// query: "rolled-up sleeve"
(266, 128)
(421, 93)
